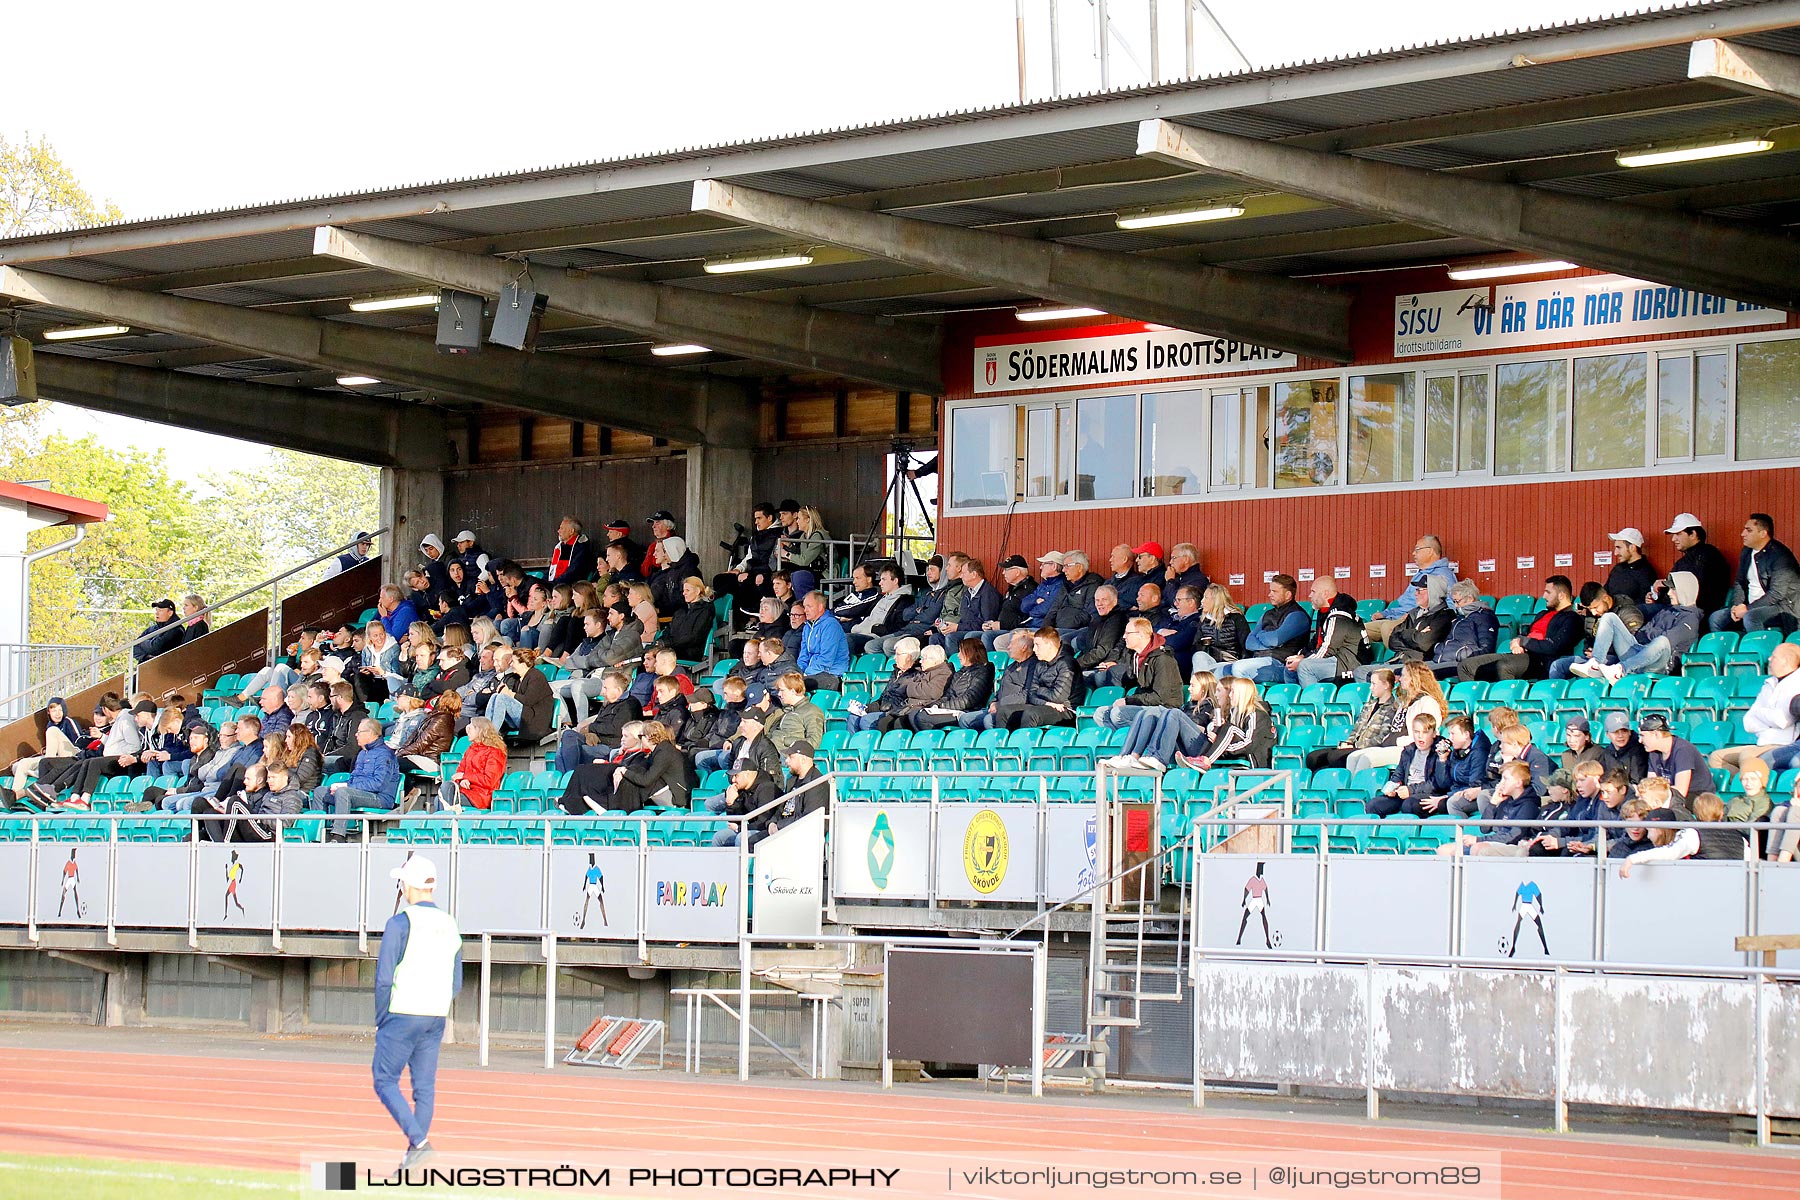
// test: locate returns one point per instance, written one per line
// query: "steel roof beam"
(366, 429)
(1265, 310)
(1745, 68)
(1684, 249)
(907, 357)
(680, 407)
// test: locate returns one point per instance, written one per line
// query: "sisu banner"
(1559, 312)
(1113, 354)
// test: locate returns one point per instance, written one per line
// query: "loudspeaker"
(516, 316)
(18, 377)
(459, 321)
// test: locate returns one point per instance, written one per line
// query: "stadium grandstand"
(1356, 598)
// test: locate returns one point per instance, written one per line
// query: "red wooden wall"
(1477, 521)
(1501, 522)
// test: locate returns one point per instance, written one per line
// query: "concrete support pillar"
(121, 982)
(718, 493)
(278, 988)
(412, 505)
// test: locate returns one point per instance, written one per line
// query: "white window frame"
(1460, 367)
(1692, 354)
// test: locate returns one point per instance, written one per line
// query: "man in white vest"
(419, 973)
(1774, 716)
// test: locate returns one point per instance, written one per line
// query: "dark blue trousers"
(408, 1043)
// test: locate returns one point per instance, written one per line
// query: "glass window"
(1712, 406)
(1675, 407)
(1174, 443)
(1530, 417)
(1227, 440)
(1382, 428)
(1472, 436)
(1440, 425)
(980, 456)
(1306, 433)
(1768, 395)
(1048, 434)
(1610, 398)
(1106, 447)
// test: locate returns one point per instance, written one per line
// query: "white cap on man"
(417, 872)
(1632, 534)
(1685, 521)
(467, 535)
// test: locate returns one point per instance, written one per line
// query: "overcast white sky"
(196, 104)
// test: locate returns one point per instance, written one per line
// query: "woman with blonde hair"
(1418, 692)
(692, 621)
(484, 633)
(1223, 629)
(482, 768)
(805, 553)
(1158, 734)
(1247, 733)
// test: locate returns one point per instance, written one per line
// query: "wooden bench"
(1769, 943)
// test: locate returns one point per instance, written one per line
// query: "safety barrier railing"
(1440, 905)
(35, 671)
(674, 890)
(273, 584)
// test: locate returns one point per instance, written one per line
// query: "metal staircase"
(1141, 930)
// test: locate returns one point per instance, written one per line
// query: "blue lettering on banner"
(1560, 311)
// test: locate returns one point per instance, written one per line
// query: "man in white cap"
(1701, 559)
(469, 552)
(418, 975)
(1632, 577)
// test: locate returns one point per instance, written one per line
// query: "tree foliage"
(38, 192)
(156, 543)
(295, 508)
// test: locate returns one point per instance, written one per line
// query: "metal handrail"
(1089, 893)
(207, 610)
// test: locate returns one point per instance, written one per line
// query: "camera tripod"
(893, 499)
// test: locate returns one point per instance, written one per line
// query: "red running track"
(276, 1114)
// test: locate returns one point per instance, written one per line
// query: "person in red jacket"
(482, 767)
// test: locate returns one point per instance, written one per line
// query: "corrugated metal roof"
(823, 135)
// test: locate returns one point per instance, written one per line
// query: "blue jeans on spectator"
(180, 802)
(1780, 758)
(857, 722)
(728, 837)
(1316, 670)
(505, 711)
(404, 1042)
(340, 798)
(1611, 643)
(1248, 668)
(164, 770)
(572, 750)
(280, 674)
(1159, 732)
(712, 760)
(981, 718)
(1117, 715)
(716, 804)
(510, 627)
(1757, 616)
(1652, 658)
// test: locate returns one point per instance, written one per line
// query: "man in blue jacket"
(1428, 559)
(824, 648)
(374, 780)
(416, 981)
(1281, 631)
(396, 612)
